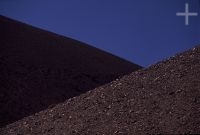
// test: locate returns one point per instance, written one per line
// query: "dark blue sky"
(141, 31)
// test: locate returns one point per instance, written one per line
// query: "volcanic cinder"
(39, 69)
(162, 99)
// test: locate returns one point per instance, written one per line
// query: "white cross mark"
(186, 14)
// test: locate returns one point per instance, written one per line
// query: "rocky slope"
(162, 99)
(39, 69)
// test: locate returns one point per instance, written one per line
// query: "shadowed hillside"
(39, 69)
(162, 99)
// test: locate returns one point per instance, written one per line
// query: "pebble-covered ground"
(39, 69)
(162, 99)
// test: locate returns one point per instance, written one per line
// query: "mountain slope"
(165, 98)
(39, 69)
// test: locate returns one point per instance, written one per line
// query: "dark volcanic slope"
(39, 68)
(164, 98)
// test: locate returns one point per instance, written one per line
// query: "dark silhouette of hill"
(39, 69)
(162, 99)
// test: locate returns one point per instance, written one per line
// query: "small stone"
(193, 49)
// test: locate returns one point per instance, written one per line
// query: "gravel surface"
(162, 99)
(39, 69)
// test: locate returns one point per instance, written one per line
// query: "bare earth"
(162, 99)
(39, 69)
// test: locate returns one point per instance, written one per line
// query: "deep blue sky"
(141, 31)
